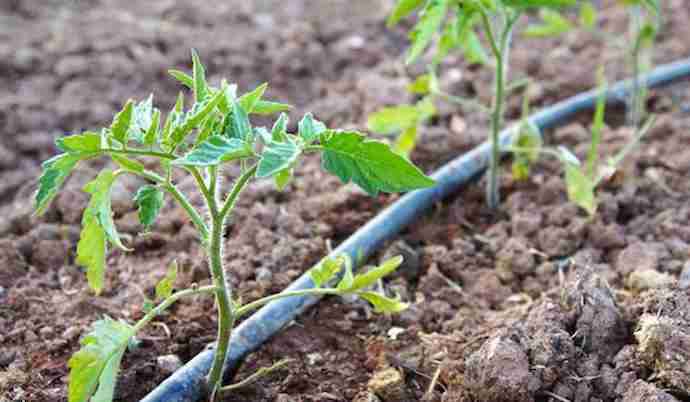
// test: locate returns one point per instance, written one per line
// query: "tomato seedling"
(201, 141)
(458, 22)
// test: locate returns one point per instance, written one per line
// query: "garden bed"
(534, 301)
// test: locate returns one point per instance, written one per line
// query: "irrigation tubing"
(188, 383)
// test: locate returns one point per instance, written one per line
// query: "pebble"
(30, 336)
(71, 333)
(46, 332)
(169, 363)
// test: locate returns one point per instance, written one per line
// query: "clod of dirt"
(642, 391)
(514, 258)
(12, 264)
(600, 327)
(637, 257)
(409, 268)
(648, 279)
(389, 385)
(664, 345)
(499, 370)
(366, 396)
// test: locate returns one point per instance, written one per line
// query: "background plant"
(457, 23)
(201, 141)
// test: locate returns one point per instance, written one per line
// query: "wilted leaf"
(383, 304)
(164, 288)
(149, 201)
(55, 171)
(580, 188)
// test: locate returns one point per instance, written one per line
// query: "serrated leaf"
(151, 134)
(120, 127)
(149, 201)
(325, 271)
(279, 130)
(429, 22)
(142, 117)
(194, 117)
(522, 4)
(309, 128)
(78, 143)
(263, 107)
(184, 78)
(130, 165)
(393, 119)
(99, 206)
(473, 49)
(215, 150)
(199, 76)
(383, 304)
(580, 188)
(278, 156)
(402, 9)
(263, 134)
(165, 287)
(94, 368)
(249, 100)
(370, 277)
(566, 156)
(236, 123)
(55, 171)
(91, 251)
(370, 164)
(348, 278)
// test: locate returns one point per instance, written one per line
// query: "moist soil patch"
(537, 302)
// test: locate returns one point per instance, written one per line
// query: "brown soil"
(537, 303)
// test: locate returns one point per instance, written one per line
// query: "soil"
(535, 303)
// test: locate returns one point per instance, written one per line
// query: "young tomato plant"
(458, 22)
(581, 179)
(201, 141)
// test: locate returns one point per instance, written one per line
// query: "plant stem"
(500, 51)
(226, 309)
(140, 152)
(168, 302)
(255, 376)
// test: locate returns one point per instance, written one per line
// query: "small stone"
(168, 363)
(648, 279)
(71, 333)
(642, 391)
(389, 385)
(264, 276)
(46, 332)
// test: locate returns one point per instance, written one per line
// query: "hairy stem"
(226, 310)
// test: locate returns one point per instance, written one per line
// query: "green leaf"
(426, 108)
(429, 22)
(597, 127)
(215, 150)
(278, 156)
(263, 107)
(194, 117)
(199, 76)
(94, 368)
(127, 164)
(99, 206)
(566, 156)
(91, 251)
(402, 9)
(326, 270)
(152, 132)
(473, 50)
(55, 171)
(370, 277)
(142, 118)
(282, 178)
(236, 123)
(370, 164)
(263, 134)
(646, 35)
(348, 278)
(149, 201)
(588, 15)
(79, 143)
(554, 24)
(580, 188)
(279, 130)
(528, 144)
(120, 127)
(186, 79)
(383, 304)
(249, 100)
(420, 86)
(393, 119)
(407, 140)
(165, 287)
(309, 128)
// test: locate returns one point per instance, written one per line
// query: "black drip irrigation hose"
(188, 383)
